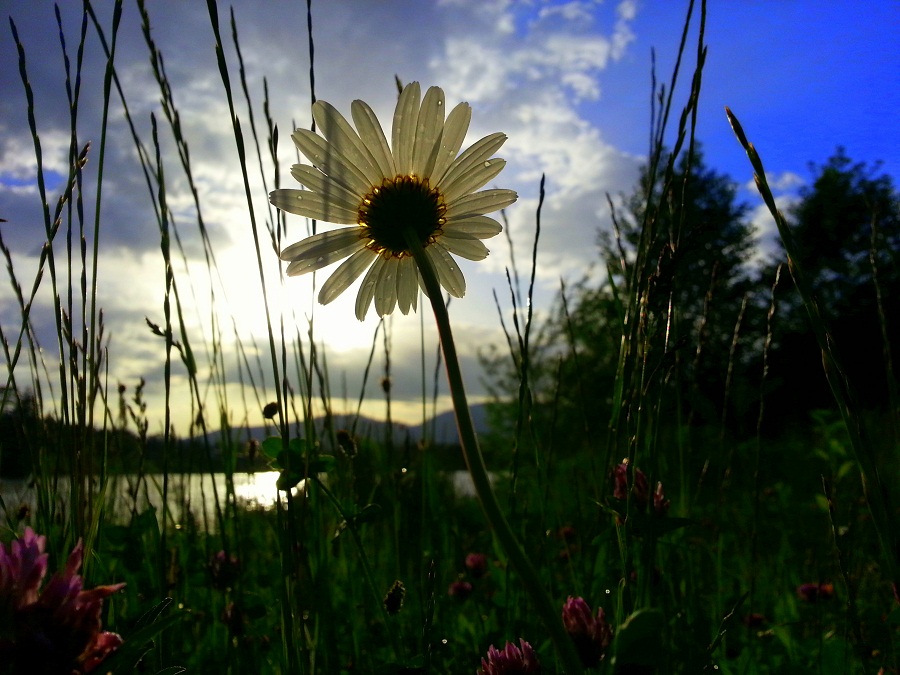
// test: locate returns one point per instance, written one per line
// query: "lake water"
(194, 492)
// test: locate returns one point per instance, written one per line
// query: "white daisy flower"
(416, 189)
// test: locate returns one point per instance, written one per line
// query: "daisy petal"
(386, 288)
(478, 203)
(312, 205)
(367, 288)
(468, 248)
(475, 179)
(455, 129)
(345, 140)
(305, 265)
(420, 168)
(482, 227)
(371, 133)
(472, 156)
(407, 284)
(448, 271)
(422, 286)
(429, 127)
(329, 160)
(324, 243)
(403, 132)
(344, 275)
(317, 181)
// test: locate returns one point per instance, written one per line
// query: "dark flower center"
(400, 204)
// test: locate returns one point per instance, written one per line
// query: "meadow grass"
(311, 584)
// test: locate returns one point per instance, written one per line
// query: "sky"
(568, 82)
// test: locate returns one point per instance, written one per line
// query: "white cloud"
(534, 86)
(527, 68)
(495, 14)
(765, 230)
(17, 158)
(623, 35)
(786, 181)
(548, 73)
(486, 64)
(627, 10)
(570, 11)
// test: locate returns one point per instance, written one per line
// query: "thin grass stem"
(477, 470)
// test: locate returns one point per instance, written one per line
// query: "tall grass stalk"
(641, 384)
(875, 489)
(306, 593)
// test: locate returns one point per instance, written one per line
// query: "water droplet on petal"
(440, 103)
(487, 164)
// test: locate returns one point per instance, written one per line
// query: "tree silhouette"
(702, 237)
(847, 230)
(20, 430)
(696, 263)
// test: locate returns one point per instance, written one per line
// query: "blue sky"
(569, 82)
(802, 76)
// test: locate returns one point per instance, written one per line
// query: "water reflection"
(189, 495)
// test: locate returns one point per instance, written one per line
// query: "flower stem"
(477, 470)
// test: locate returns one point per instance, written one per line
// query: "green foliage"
(295, 462)
(140, 640)
(846, 234)
(638, 645)
(660, 361)
(696, 264)
(702, 238)
(847, 227)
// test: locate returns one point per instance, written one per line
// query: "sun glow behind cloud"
(568, 82)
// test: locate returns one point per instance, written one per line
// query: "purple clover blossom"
(660, 503)
(477, 564)
(511, 660)
(22, 570)
(224, 569)
(815, 592)
(55, 630)
(591, 634)
(640, 489)
(620, 481)
(461, 590)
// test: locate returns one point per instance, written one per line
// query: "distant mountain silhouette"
(130, 453)
(441, 428)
